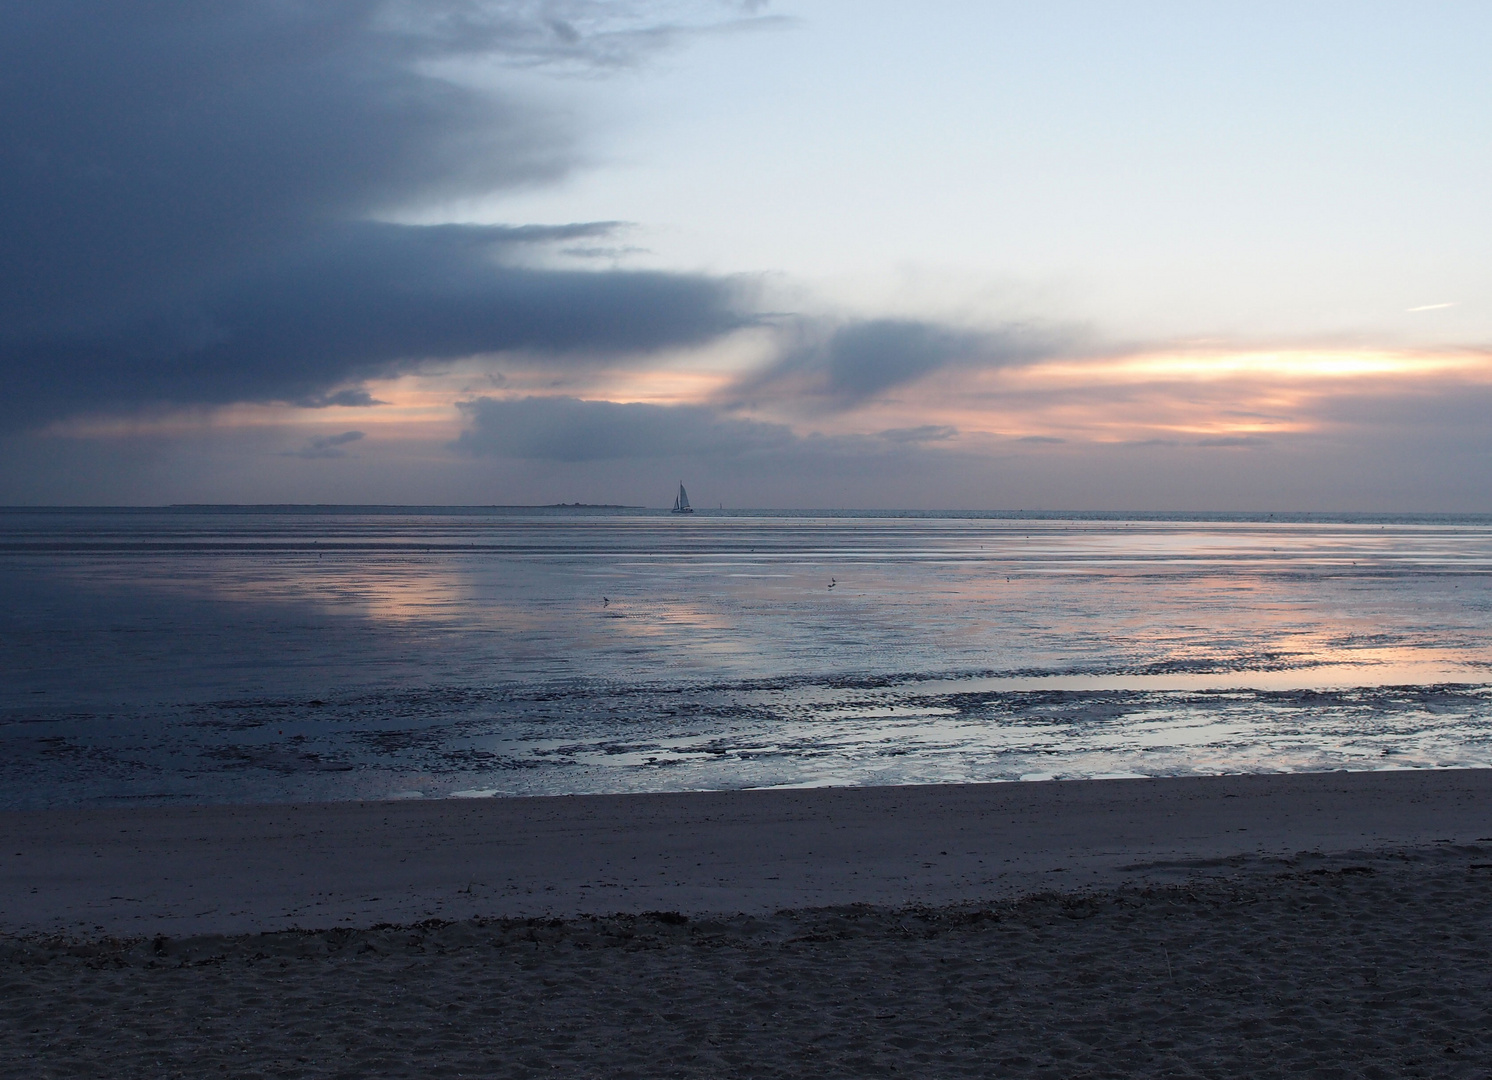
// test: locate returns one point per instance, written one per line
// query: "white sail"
(681, 502)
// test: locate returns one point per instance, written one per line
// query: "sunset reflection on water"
(743, 598)
(714, 651)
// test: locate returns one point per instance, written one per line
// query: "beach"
(1324, 924)
(745, 539)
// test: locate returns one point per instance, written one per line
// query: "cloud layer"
(568, 429)
(847, 364)
(190, 195)
(198, 207)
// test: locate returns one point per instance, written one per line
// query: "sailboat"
(681, 502)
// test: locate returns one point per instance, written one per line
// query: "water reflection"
(512, 653)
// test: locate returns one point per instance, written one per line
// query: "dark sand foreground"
(1334, 925)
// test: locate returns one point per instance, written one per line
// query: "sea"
(212, 654)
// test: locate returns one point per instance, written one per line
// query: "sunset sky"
(798, 253)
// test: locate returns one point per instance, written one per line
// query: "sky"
(792, 253)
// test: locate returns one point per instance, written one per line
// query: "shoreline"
(188, 871)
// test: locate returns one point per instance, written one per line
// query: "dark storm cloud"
(854, 362)
(568, 429)
(1238, 441)
(355, 398)
(185, 194)
(361, 301)
(922, 434)
(1429, 409)
(327, 446)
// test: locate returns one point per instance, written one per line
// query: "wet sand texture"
(139, 872)
(1375, 966)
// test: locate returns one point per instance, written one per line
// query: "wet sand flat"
(231, 869)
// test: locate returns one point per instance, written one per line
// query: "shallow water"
(224, 656)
